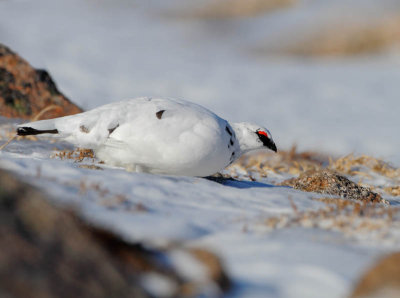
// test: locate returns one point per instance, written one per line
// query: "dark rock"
(44, 77)
(382, 280)
(47, 252)
(329, 182)
(25, 91)
(5, 51)
(50, 252)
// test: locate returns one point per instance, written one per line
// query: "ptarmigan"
(157, 135)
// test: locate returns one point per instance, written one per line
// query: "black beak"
(267, 142)
(271, 145)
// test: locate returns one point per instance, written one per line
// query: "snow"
(158, 285)
(295, 263)
(228, 219)
(102, 51)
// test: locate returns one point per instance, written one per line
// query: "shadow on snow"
(237, 183)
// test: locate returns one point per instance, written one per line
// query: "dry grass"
(9, 133)
(347, 38)
(393, 190)
(349, 217)
(353, 218)
(77, 155)
(291, 162)
(294, 163)
(109, 199)
(222, 9)
(356, 165)
(364, 166)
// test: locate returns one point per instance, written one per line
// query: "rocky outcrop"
(382, 280)
(329, 182)
(50, 252)
(25, 91)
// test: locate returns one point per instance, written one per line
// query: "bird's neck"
(242, 137)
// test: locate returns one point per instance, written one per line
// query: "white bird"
(157, 135)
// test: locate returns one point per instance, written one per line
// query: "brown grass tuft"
(352, 165)
(90, 167)
(9, 133)
(283, 162)
(392, 190)
(292, 162)
(223, 9)
(77, 155)
(350, 217)
(348, 38)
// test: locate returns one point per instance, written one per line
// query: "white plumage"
(157, 135)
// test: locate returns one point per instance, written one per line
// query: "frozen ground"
(101, 51)
(228, 219)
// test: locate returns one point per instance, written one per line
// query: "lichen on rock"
(25, 91)
(329, 182)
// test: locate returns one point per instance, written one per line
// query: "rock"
(25, 91)
(382, 280)
(213, 265)
(329, 182)
(50, 252)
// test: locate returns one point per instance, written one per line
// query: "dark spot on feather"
(84, 129)
(111, 130)
(159, 114)
(231, 142)
(228, 130)
(232, 158)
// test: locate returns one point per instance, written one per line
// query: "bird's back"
(169, 136)
(159, 135)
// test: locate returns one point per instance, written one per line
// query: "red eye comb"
(260, 132)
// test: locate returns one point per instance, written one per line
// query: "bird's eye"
(261, 132)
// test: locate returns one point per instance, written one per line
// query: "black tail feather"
(28, 131)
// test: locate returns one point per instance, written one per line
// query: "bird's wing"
(89, 129)
(166, 132)
(143, 124)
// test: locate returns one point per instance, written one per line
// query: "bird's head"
(252, 136)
